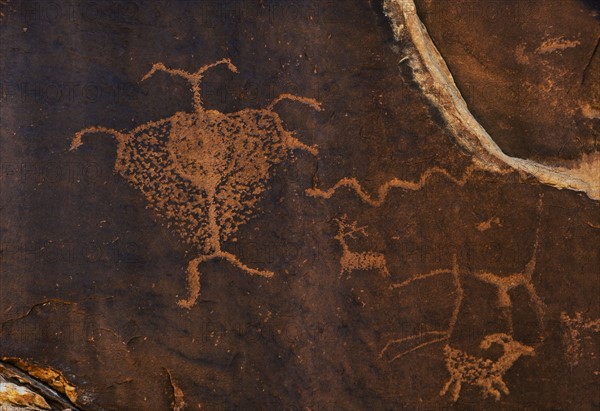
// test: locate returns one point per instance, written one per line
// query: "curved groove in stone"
(436, 81)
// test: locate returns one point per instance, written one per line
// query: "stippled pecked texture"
(477, 285)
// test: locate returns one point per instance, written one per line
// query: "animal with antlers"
(483, 372)
(351, 260)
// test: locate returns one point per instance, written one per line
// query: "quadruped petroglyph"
(485, 373)
(352, 260)
(204, 171)
(465, 368)
(293, 204)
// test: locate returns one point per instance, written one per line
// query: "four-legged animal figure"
(351, 260)
(485, 373)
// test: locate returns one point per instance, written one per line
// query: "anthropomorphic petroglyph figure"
(351, 260)
(482, 372)
(504, 284)
(576, 330)
(205, 171)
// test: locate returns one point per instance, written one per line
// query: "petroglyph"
(436, 81)
(351, 260)
(576, 330)
(486, 225)
(556, 44)
(425, 339)
(482, 372)
(465, 368)
(504, 284)
(382, 192)
(178, 403)
(204, 172)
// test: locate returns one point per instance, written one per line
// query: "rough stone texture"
(90, 278)
(534, 82)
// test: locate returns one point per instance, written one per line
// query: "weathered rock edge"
(436, 81)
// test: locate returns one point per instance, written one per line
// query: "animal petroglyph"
(351, 260)
(504, 284)
(205, 171)
(382, 192)
(427, 338)
(576, 330)
(483, 372)
(467, 369)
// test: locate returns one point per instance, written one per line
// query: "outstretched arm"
(228, 62)
(76, 142)
(175, 72)
(304, 100)
(191, 77)
(289, 140)
(293, 143)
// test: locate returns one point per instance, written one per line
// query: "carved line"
(384, 189)
(506, 283)
(445, 334)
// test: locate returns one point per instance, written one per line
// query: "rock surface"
(404, 276)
